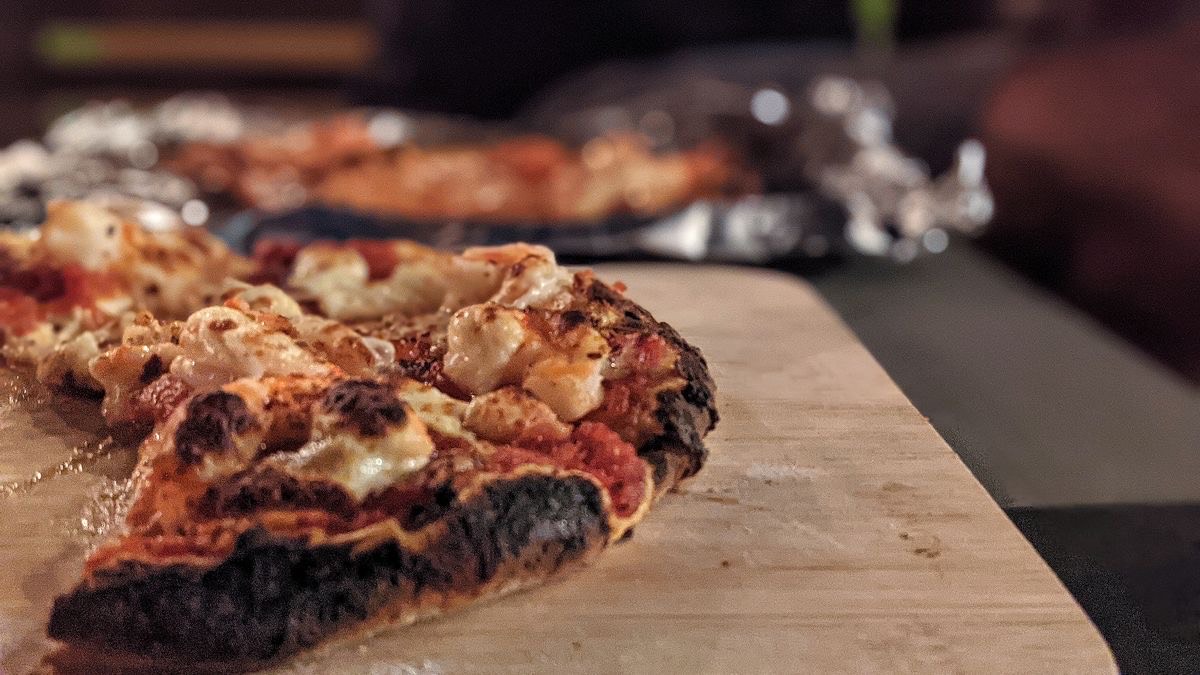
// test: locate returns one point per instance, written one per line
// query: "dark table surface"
(1089, 444)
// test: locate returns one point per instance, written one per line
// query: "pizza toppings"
(571, 386)
(440, 412)
(527, 276)
(82, 233)
(370, 407)
(221, 344)
(365, 440)
(281, 440)
(489, 346)
(372, 398)
(484, 347)
(504, 415)
(340, 280)
(331, 340)
(171, 273)
(353, 433)
(67, 293)
(213, 422)
(592, 448)
(67, 364)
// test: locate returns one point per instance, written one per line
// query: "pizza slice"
(346, 436)
(275, 514)
(70, 288)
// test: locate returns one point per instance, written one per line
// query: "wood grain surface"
(831, 531)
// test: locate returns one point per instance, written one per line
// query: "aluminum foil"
(846, 187)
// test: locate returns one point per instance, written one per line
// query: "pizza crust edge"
(144, 614)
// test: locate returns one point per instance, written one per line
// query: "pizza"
(341, 436)
(527, 178)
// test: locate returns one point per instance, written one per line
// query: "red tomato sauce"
(592, 448)
(29, 296)
(380, 256)
(19, 313)
(274, 259)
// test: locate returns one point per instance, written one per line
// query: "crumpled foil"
(892, 204)
(107, 152)
(856, 192)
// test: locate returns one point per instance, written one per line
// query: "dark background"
(1088, 109)
(1088, 106)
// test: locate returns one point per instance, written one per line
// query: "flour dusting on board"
(82, 457)
(104, 511)
(761, 471)
(16, 394)
(426, 667)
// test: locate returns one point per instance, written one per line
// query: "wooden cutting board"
(832, 530)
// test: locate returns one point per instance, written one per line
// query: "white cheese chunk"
(81, 233)
(440, 412)
(221, 344)
(266, 298)
(360, 464)
(338, 278)
(571, 387)
(482, 345)
(530, 275)
(503, 415)
(489, 346)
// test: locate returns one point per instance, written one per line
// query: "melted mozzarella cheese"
(540, 284)
(529, 276)
(221, 344)
(503, 415)
(342, 346)
(264, 298)
(32, 346)
(81, 233)
(444, 414)
(71, 358)
(571, 387)
(319, 268)
(482, 346)
(176, 272)
(62, 347)
(247, 443)
(515, 275)
(471, 281)
(118, 371)
(331, 340)
(360, 464)
(489, 346)
(338, 278)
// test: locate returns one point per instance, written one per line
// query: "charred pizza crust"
(686, 413)
(256, 531)
(275, 596)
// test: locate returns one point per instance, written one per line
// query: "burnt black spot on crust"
(212, 421)
(72, 385)
(423, 369)
(368, 406)
(266, 488)
(273, 597)
(573, 318)
(441, 499)
(221, 325)
(685, 415)
(153, 369)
